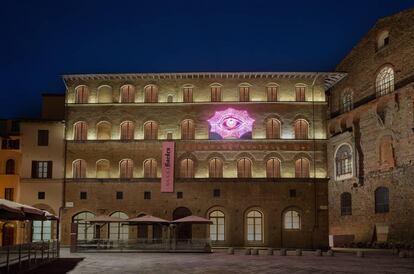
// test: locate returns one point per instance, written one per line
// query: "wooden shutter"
(49, 169)
(34, 169)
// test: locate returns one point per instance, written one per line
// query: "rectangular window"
(292, 193)
(42, 137)
(41, 169)
(179, 195)
(83, 195)
(216, 192)
(42, 231)
(215, 94)
(271, 94)
(244, 94)
(10, 144)
(187, 95)
(41, 195)
(9, 194)
(300, 94)
(147, 195)
(119, 195)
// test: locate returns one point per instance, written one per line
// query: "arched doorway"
(8, 234)
(184, 231)
(142, 230)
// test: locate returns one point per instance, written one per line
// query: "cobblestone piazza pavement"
(221, 262)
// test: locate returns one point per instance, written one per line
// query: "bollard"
(282, 252)
(318, 253)
(255, 251)
(402, 254)
(247, 251)
(270, 251)
(360, 253)
(298, 252)
(330, 252)
(230, 251)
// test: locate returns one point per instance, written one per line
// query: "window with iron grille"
(119, 195)
(216, 192)
(83, 195)
(384, 83)
(343, 160)
(347, 104)
(41, 195)
(147, 195)
(179, 195)
(346, 204)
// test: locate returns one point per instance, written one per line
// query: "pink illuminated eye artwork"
(231, 123)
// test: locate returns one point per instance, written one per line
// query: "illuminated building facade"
(249, 153)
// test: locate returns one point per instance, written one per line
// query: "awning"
(106, 219)
(148, 219)
(50, 216)
(15, 211)
(193, 220)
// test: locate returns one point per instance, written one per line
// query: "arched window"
(188, 94)
(244, 168)
(103, 130)
(102, 169)
(187, 168)
(217, 227)
(150, 168)
(215, 168)
(273, 168)
(343, 160)
(386, 152)
(127, 130)
(384, 83)
(346, 204)
(272, 93)
(383, 39)
(272, 128)
(254, 226)
(79, 169)
(118, 231)
(244, 93)
(10, 166)
(151, 94)
(85, 230)
(215, 93)
(127, 94)
(81, 95)
(126, 169)
(105, 94)
(187, 129)
(41, 231)
(302, 168)
(347, 104)
(291, 220)
(301, 129)
(382, 200)
(80, 131)
(300, 93)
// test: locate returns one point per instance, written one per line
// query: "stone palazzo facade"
(266, 187)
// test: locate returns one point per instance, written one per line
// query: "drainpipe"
(316, 223)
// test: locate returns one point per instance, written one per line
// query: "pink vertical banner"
(167, 177)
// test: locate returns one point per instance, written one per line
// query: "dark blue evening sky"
(41, 40)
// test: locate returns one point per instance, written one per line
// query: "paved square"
(221, 262)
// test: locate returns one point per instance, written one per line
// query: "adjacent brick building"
(371, 137)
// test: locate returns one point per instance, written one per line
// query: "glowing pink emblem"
(231, 123)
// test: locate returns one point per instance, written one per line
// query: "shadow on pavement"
(59, 266)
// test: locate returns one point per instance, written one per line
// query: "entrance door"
(8, 234)
(184, 231)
